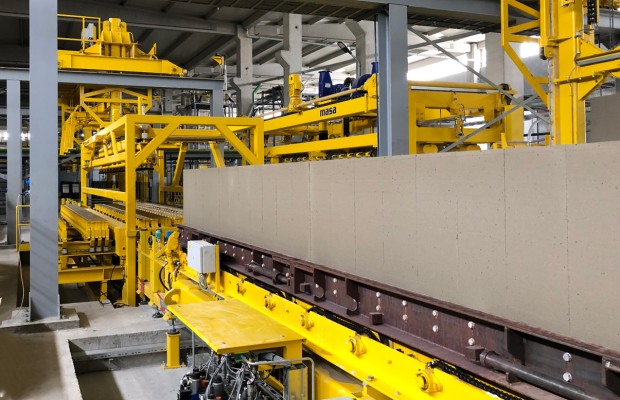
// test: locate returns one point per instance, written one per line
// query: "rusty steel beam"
(451, 333)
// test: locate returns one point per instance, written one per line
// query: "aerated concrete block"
(332, 214)
(593, 206)
(536, 239)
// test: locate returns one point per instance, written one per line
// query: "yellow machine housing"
(342, 125)
(111, 47)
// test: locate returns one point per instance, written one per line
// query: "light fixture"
(345, 49)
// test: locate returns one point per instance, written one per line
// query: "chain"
(472, 380)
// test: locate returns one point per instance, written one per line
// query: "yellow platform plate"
(230, 326)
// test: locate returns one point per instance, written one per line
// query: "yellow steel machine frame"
(133, 142)
(567, 39)
(437, 115)
(85, 110)
(224, 309)
(111, 47)
(108, 46)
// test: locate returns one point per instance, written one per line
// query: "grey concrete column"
(290, 56)
(242, 83)
(473, 62)
(364, 32)
(44, 302)
(393, 116)
(13, 154)
(500, 68)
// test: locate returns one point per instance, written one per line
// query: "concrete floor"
(9, 276)
(40, 365)
(139, 378)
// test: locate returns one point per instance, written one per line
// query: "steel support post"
(131, 233)
(290, 56)
(13, 155)
(44, 301)
(217, 103)
(393, 88)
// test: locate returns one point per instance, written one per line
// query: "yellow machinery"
(238, 318)
(132, 143)
(257, 311)
(111, 47)
(342, 124)
(116, 137)
(262, 313)
(567, 33)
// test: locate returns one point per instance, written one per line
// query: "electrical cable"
(161, 278)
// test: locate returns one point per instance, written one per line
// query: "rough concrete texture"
(48, 355)
(136, 378)
(525, 234)
(604, 119)
(9, 275)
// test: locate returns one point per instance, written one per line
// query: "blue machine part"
(339, 87)
(325, 83)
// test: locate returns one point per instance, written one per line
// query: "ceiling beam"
(333, 32)
(268, 53)
(14, 55)
(272, 69)
(217, 45)
(480, 10)
(254, 19)
(182, 38)
(168, 6)
(145, 35)
(134, 16)
(311, 49)
(328, 57)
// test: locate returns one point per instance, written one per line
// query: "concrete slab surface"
(525, 234)
(49, 354)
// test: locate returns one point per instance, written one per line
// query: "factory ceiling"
(189, 32)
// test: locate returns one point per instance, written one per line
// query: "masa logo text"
(328, 111)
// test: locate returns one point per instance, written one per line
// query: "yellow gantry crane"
(116, 137)
(566, 33)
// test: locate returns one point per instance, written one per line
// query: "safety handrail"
(19, 225)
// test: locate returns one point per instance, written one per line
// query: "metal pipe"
(488, 124)
(313, 101)
(598, 59)
(279, 278)
(492, 360)
(452, 85)
(193, 349)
